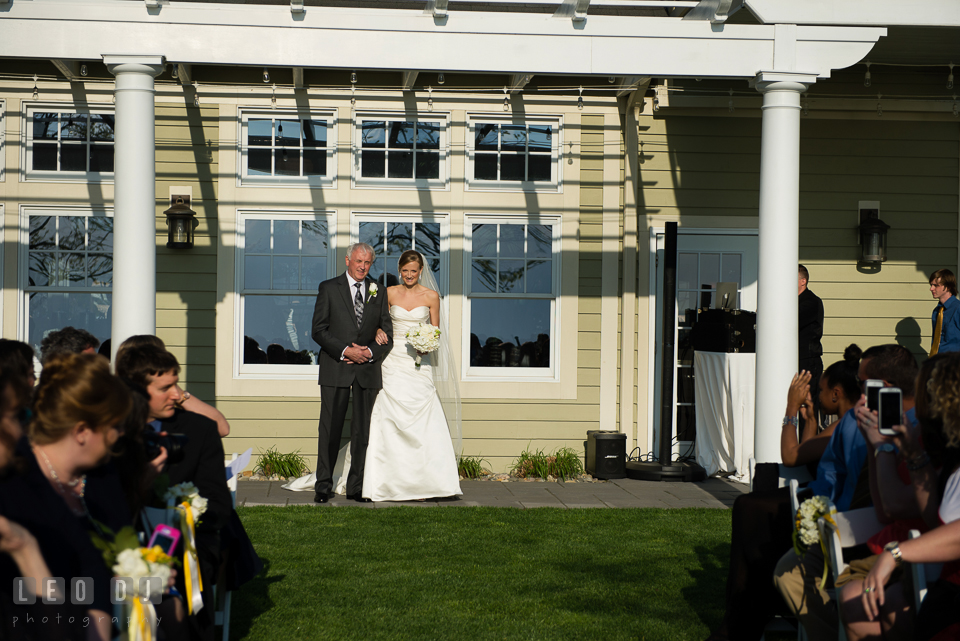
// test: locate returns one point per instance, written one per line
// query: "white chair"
(222, 596)
(920, 572)
(853, 527)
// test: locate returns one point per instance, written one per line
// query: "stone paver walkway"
(620, 493)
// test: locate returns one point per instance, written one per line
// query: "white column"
(134, 227)
(779, 254)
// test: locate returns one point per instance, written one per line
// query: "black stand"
(666, 469)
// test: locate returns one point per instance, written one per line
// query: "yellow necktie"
(935, 345)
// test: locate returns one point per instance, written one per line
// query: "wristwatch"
(887, 448)
(893, 547)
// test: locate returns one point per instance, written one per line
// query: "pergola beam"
(518, 81)
(629, 84)
(183, 74)
(409, 79)
(298, 77)
(69, 68)
(388, 39)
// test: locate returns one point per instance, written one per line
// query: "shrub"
(273, 462)
(565, 463)
(470, 467)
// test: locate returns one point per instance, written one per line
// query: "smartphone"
(871, 388)
(890, 412)
(166, 537)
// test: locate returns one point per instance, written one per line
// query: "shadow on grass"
(252, 600)
(709, 580)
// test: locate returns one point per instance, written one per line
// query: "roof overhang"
(929, 13)
(390, 39)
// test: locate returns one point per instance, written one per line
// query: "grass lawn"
(483, 573)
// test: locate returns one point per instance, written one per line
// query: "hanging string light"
(266, 75)
(866, 77)
(83, 71)
(273, 97)
(879, 108)
(506, 102)
(441, 79)
(196, 93)
(580, 99)
(950, 77)
(430, 97)
(730, 103)
(353, 77)
(36, 91)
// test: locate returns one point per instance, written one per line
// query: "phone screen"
(889, 413)
(873, 394)
(165, 542)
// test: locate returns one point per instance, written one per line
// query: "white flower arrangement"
(424, 338)
(187, 492)
(806, 533)
(371, 292)
(137, 563)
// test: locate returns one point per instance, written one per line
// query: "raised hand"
(799, 392)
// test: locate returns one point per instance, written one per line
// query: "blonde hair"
(943, 388)
(76, 388)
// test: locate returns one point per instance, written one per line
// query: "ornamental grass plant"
(470, 573)
(564, 464)
(272, 462)
(470, 467)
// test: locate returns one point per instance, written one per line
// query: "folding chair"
(854, 527)
(222, 596)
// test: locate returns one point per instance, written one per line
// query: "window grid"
(504, 152)
(404, 150)
(275, 154)
(71, 142)
(65, 257)
(390, 238)
(498, 290)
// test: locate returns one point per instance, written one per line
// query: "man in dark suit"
(349, 310)
(810, 331)
(201, 462)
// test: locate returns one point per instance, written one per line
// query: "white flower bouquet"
(806, 533)
(138, 563)
(424, 338)
(187, 493)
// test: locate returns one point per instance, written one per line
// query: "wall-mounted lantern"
(873, 233)
(180, 223)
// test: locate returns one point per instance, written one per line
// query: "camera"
(175, 443)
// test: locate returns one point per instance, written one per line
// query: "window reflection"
(400, 149)
(512, 152)
(286, 147)
(509, 332)
(277, 330)
(390, 239)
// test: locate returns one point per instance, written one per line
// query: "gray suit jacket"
(335, 328)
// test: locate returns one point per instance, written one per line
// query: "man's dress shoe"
(321, 498)
(358, 498)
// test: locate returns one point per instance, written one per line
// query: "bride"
(416, 419)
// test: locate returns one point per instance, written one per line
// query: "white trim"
(329, 180)
(59, 176)
(3, 138)
(610, 297)
(242, 371)
(515, 374)
(554, 185)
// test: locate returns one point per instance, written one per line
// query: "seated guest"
(17, 357)
(187, 401)
(200, 462)
(763, 520)
(77, 408)
(798, 577)
(879, 606)
(69, 340)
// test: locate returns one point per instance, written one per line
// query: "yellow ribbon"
(191, 565)
(142, 625)
(828, 517)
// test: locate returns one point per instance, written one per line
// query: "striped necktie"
(937, 330)
(358, 304)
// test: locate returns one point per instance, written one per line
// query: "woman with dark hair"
(763, 519)
(78, 406)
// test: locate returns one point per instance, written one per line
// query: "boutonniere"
(371, 292)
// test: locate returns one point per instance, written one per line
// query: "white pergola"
(796, 44)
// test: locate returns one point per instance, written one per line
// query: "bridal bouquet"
(806, 533)
(424, 338)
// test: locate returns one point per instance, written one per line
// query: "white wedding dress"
(409, 453)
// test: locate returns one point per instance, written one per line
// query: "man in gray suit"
(349, 310)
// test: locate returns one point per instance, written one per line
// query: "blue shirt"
(950, 332)
(841, 463)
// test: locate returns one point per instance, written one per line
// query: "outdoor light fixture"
(83, 70)
(866, 76)
(180, 223)
(873, 234)
(353, 78)
(950, 77)
(441, 79)
(266, 75)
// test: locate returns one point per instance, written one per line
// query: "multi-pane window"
(284, 258)
(401, 151)
(69, 275)
(510, 154)
(286, 148)
(64, 143)
(391, 238)
(512, 294)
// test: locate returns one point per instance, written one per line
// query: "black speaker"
(606, 454)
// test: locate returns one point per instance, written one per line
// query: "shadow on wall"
(909, 335)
